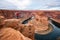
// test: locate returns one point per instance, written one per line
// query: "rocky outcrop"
(38, 24)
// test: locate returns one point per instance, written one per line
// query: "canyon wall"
(39, 20)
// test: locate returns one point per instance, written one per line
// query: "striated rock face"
(55, 15)
(41, 19)
(38, 24)
(26, 29)
(41, 23)
(13, 23)
(26, 14)
(11, 34)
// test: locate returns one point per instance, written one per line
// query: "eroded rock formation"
(38, 24)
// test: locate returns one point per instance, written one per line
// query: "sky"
(30, 4)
